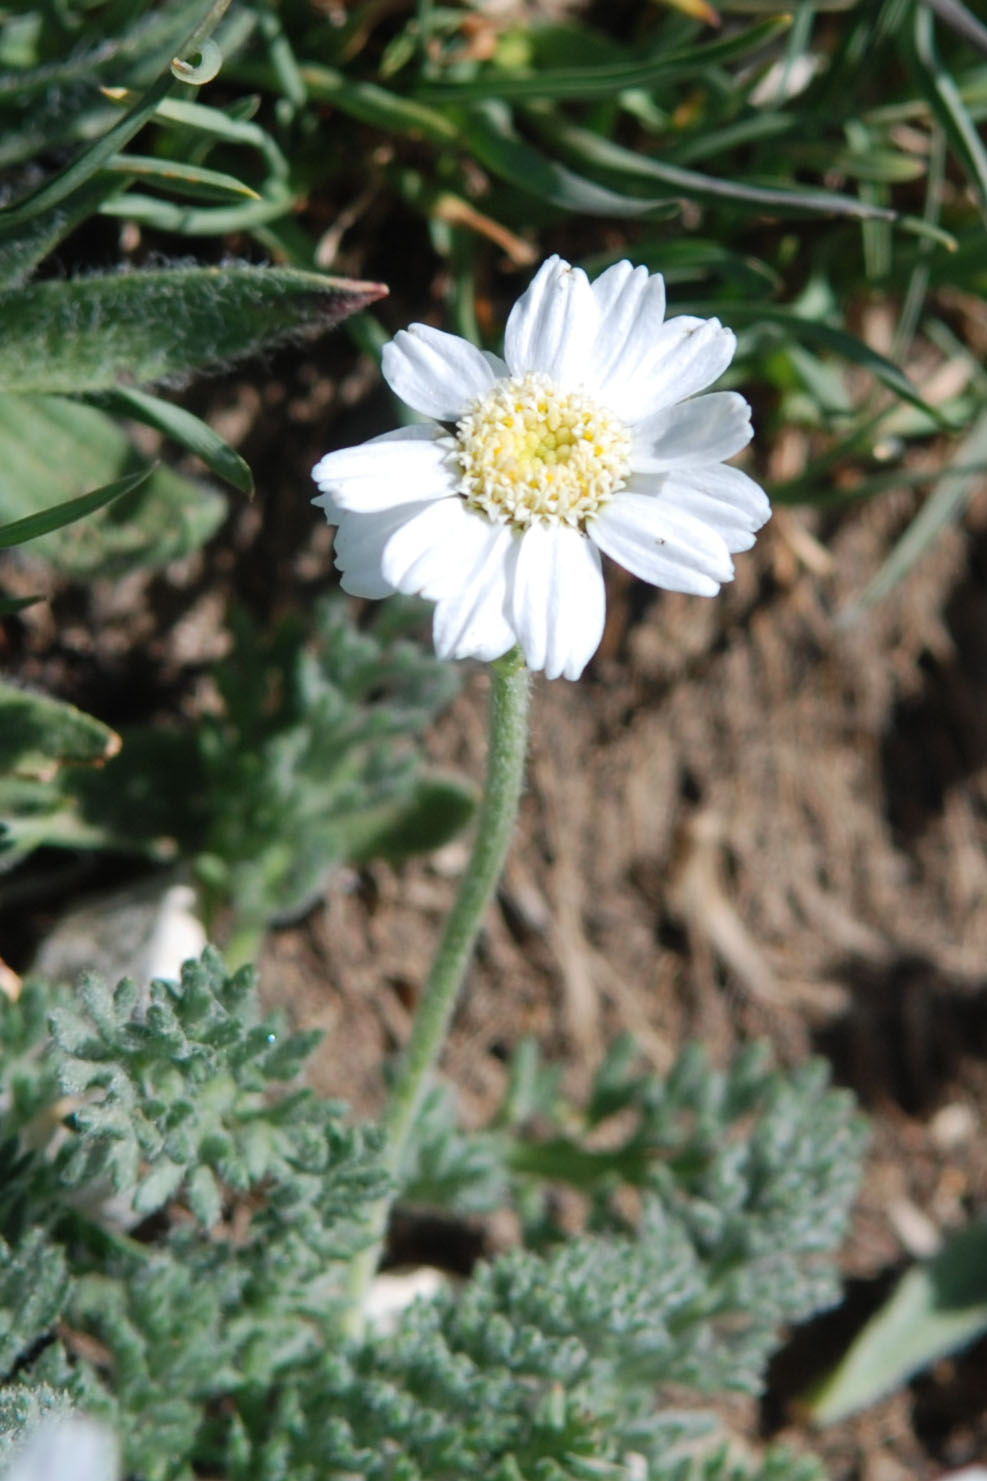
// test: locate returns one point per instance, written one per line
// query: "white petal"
(472, 621)
(662, 545)
(723, 498)
(358, 548)
(386, 472)
(497, 365)
(558, 603)
(552, 326)
(705, 430)
(416, 433)
(632, 307)
(434, 553)
(436, 373)
(683, 356)
(329, 507)
(620, 291)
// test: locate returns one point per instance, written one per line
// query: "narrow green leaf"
(137, 46)
(38, 734)
(212, 123)
(62, 186)
(377, 106)
(491, 136)
(10, 605)
(944, 505)
(587, 148)
(191, 431)
(206, 69)
(291, 84)
(958, 19)
(937, 1309)
(580, 83)
(753, 129)
(930, 231)
(55, 449)
(812, 487)
(916, 294)
(881, 166)
(947, 105)
(200, 221)
(823, 337)
(59, 515)
(691, 259)
(93, 333)
(181, 177)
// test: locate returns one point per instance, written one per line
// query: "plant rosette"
(594, 433)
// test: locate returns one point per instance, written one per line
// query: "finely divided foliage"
(207, 1334)
(310, 758)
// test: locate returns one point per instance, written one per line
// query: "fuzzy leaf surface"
(39, 734)
(91, 334)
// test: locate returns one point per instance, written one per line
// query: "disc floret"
(527, 451)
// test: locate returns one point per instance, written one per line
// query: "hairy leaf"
(161, 325)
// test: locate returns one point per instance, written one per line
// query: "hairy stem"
(495, 826)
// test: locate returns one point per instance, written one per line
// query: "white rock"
(66, 1449)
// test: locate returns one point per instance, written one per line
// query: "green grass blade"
(751, 130)
(291, 84)
(198, 221)
(692, 259)
(185, 428)
(944, 505)
(9, 606)
(937, 1309)
(491, 136)
(958, 19)
(93, 333)
(827, 338)
(18, 531)
(916, 293)
(947, 105)
(137, 47)
(212, 123)
(378, 106)
(75, 175)
(588, 149)
(580, 83)
(180, 177)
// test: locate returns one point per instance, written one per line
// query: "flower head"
(594, 432)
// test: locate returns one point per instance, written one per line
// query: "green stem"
(494, 829)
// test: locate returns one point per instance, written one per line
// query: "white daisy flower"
(589, 435)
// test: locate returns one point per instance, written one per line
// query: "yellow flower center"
(527, 451)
